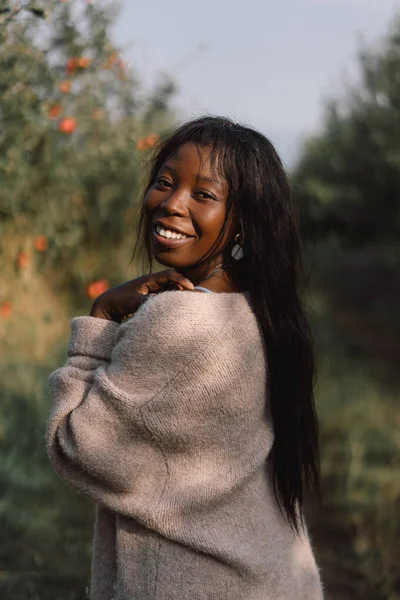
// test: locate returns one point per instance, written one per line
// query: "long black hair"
(261, 203)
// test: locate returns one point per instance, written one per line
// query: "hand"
(125, 299)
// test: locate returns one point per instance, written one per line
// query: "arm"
(101, 437)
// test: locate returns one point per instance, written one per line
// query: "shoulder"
(173, 330)
(191, 308)
(188, 317)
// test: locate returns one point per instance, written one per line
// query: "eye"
(163, 182)
(205, 195)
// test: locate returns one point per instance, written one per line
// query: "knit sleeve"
(123, 406)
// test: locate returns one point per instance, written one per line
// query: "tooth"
(169, 233)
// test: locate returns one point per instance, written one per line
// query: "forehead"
(197, 160)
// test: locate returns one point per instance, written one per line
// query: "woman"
(191, 423)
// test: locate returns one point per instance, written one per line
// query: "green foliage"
(70, 122)
(357, 530)
(348, 187)
(46, 527)
(348, 177)
(75, 128)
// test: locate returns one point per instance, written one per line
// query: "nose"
(176, 202)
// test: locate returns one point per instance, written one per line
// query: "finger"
(157, 283)
(166, 278)
(182, 280)
(172, 277)
(151, 285)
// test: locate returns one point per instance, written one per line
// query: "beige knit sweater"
(162, 421)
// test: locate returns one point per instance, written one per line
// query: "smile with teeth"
(168, 233)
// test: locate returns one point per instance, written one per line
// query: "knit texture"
(163, 422)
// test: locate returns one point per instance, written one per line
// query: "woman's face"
(186, 199)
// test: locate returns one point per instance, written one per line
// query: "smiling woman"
(191, 424)
(186, 199)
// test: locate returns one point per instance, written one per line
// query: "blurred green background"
(76, 129)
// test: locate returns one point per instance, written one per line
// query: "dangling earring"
(237, 250)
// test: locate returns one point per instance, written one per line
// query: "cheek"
(212, 223)
(150, 201)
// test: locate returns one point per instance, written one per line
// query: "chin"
(170, 262)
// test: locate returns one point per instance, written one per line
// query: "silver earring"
(237, 250)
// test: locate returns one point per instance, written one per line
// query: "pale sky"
(267, 63)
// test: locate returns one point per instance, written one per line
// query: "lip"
(170, 243)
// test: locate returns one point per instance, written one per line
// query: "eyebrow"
(208, 180)
(199, 178)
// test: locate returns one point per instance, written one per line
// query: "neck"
(200, 274)
(220, 281)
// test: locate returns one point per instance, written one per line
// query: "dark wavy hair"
(261, 203)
